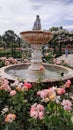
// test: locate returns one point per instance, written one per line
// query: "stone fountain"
(36, 70)
(36, 38)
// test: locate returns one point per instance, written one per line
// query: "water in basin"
(28, 75)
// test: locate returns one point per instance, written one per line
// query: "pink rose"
(69, 82)
(12, 92)
(37, 111)
(66, 104)
(27, 85)
(34, 114)
(40, 107)
(60, 91)
(42, 93)
(41, 115)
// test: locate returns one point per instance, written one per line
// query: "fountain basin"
(51, 74)
(36, 36)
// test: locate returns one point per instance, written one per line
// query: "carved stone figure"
(37, 23)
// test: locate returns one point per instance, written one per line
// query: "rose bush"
(7, 61)
(27, 107)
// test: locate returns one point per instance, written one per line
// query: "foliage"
(8, 53)
(48, 57)
(25, 107)
(56, 28)
(10, 38)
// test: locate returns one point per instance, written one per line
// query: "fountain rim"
(36, 31)
(11, 78)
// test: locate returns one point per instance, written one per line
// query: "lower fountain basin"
(51, 74)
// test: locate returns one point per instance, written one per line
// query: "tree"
(10, 38)
(56, 28)
(18, 41)
(61, 38)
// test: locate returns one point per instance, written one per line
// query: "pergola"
(63, 38)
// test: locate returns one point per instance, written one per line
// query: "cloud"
(19, 15)
(0, 7)
(48, 1)
(69, 27)
(36, 7)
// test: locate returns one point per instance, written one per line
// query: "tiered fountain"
(48, 73)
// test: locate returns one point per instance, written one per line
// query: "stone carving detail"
(37, 23)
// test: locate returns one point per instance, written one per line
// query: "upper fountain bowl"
(36, 36)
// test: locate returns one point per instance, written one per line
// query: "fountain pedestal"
(36, 61)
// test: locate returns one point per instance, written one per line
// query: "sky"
(19, 15)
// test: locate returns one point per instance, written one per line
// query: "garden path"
(68, 59)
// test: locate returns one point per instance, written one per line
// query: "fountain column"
(36, 57)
